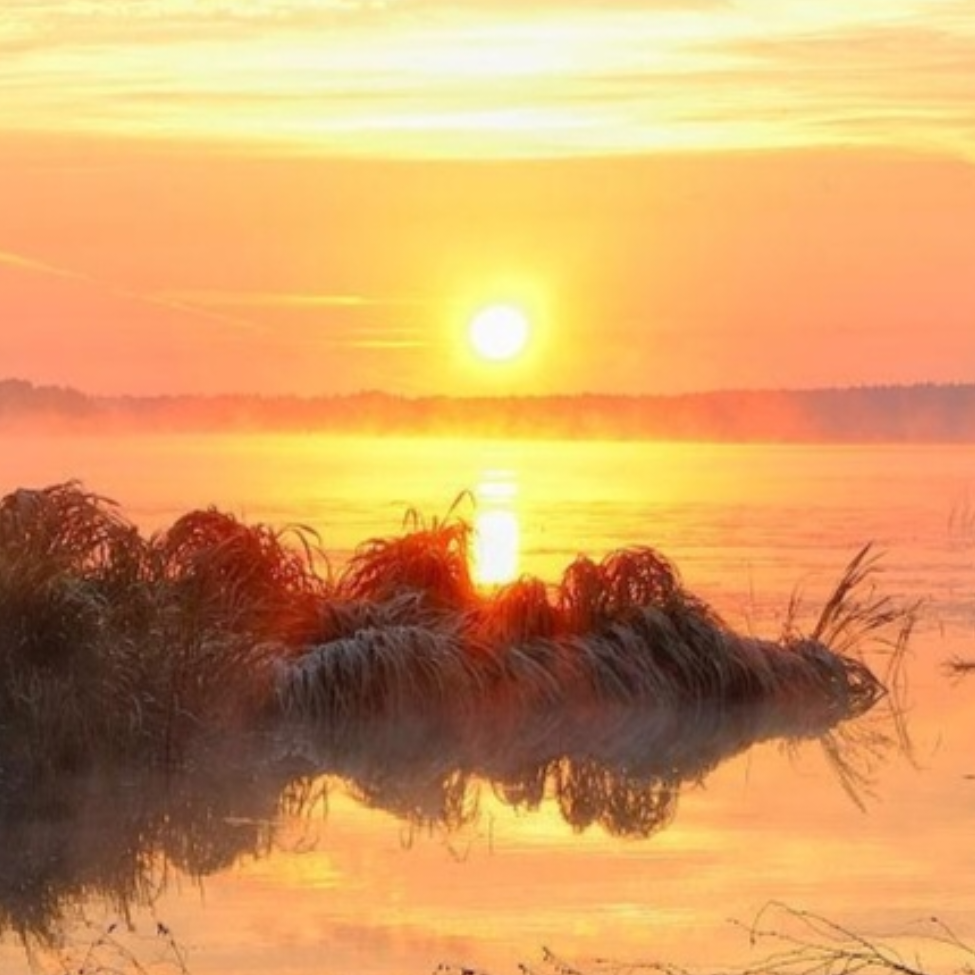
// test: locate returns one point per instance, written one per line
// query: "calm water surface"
(376, 880)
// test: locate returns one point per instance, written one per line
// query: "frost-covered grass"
(117, 646)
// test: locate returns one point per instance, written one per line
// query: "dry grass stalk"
(960, 667)
(797, 942)
(856, 620)
(430, 560)
(855, 613)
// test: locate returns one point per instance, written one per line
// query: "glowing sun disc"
(499, 332)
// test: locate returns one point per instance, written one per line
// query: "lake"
(402, 868)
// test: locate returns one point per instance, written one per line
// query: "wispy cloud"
(276, 299)
(223, 307)
(21, 263)
(494, 78)
(347, 321)
(31, 265)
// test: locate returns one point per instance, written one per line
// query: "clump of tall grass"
(625, 629)
(603, 697)
(115, 645)
(74, 595)
(430, 561)
(232, 600)
(225, 574)
(854, 619)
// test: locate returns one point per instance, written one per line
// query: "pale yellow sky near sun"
(496, 78)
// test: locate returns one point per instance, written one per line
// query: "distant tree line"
(925, 412)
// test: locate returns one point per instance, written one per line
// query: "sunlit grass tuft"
(114, 645)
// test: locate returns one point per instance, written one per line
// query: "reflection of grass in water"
(114, 646)
(960, 667)
(114, 837)
(619, 767)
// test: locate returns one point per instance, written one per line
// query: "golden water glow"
(497, 537)
(497, 531)
(360, 895)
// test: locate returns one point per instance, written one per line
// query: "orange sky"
(310, 196)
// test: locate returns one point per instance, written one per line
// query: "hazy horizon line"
(866, 386)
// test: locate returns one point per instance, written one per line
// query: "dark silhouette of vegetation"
(114, 835)
(164, 698)
(115, 646)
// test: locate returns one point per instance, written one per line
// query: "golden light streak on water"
(497, 530)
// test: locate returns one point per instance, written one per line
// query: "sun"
(499, 333)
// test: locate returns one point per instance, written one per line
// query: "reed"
(624, 629)
(114, 645)
(430, 561)
(233, 599)
(244, 578)
(74, 597)
(785, 940)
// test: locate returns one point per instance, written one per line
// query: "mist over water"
(384, 847)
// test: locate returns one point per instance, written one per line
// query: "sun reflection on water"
(497, 532)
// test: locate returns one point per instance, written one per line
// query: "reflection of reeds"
(960, 667)
(619, 767)
(113, 836)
